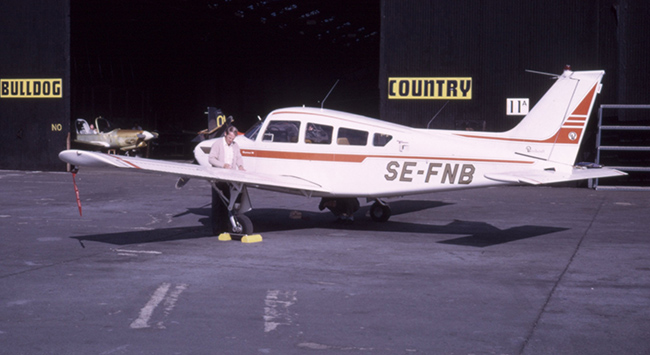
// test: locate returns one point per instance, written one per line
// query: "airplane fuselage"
(341, 156)
(364, 157)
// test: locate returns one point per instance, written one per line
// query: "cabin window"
(381, 139)
(282, 131)
(348, 136)
(318, 133)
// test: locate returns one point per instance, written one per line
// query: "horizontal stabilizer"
(277, 182)
(539, 177)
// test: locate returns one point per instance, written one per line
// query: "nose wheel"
(380, 211)
(227, 218)
(240, 224)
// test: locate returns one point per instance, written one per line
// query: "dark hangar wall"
(163, 63)
(494, 42)
(35, 83)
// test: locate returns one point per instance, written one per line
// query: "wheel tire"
(245, 222)
(379, 212)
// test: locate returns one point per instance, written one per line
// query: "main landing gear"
(380, 211)
(344, 208)
(229, 202)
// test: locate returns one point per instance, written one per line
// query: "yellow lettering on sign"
(31, 88)
(430, 88)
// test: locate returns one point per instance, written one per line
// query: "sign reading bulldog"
(31, 88)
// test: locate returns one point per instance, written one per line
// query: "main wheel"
(379, 212)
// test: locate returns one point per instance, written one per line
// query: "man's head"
(230, 134)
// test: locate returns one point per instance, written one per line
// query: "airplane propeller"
(76, 190)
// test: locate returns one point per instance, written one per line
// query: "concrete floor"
(515, 270)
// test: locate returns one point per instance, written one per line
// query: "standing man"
(225, 152)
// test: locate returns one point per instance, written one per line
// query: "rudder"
(560, 117)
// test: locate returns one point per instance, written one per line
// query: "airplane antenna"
(328, 94)
(554, 76)
(437, 113)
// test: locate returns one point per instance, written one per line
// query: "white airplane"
(341, 157)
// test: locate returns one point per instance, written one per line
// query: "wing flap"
(539, 177)
(279, 182)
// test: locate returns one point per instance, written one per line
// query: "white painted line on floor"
(137, 251)
(120, 349)
(170, 302)
(147, 310)
(276, 310)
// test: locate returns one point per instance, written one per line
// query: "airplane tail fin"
(213, 118)
(555, 126)
(217, 123)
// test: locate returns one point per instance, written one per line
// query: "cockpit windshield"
(102, 124)
(252, 132)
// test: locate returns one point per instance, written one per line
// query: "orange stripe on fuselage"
(302, 156)
(552, 139)
(562, 135)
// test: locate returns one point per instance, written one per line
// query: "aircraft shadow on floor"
(474, 234)
(147, 236)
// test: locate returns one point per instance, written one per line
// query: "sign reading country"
(430, 88)
(31, 88)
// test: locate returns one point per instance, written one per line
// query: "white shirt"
(228, 154)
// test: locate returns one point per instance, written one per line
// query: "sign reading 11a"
(517, 107)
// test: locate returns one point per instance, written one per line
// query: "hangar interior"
(161, 64)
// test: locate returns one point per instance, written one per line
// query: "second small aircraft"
(101, 135)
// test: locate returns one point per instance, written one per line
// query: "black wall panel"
(34, 119)
(494, 42)
(164, 63)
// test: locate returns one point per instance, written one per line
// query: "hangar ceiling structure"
(163, 62)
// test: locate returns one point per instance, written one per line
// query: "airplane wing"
(268, 181)
(550, 176)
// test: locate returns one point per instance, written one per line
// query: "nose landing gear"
(229, 202)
